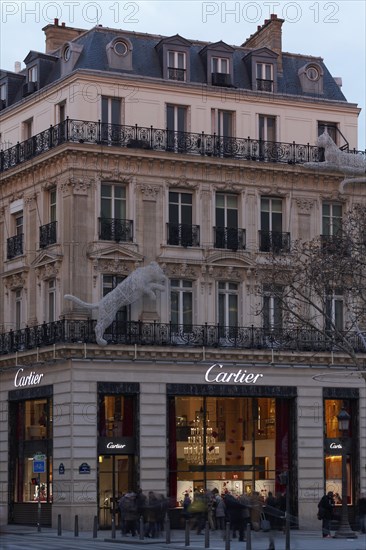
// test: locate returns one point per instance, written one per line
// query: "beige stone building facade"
(119, 149)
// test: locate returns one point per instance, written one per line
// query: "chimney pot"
(63, 24)
(273, 16)
(55, 22)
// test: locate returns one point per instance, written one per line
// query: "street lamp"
(344, 530)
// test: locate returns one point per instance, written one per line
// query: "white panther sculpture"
(144, 280)
(335, 159)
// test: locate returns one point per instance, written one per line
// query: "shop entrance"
(116, 475)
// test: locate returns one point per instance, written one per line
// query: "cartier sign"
(31, 379)
(216, 374)
(116, 445)
(335, 446)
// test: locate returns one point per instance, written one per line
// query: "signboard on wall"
(116, 445)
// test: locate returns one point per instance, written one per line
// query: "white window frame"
(182, 288)
(226, 289)
(18, 309)
(51, 300)
(218, 65)
(266, 119)
(333, 227)
(33, 73)
(173, 62)
(333, 300)
(3, 92)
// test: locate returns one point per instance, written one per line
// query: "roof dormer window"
(311, 78)
(119, 54)
(312, 73)
(32, 74)
(177, 65)
(120, 47)
(67, 53)
(220, 65)
(265, 77)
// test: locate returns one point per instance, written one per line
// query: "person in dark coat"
(271, 510)
(325, 513)
(362, 512)
(129, 515)
(234, 509)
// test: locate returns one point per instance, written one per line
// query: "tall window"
(331, 219)
(331, 128)
(15, 243)
(181, 230)
(51, 300)
(222, 122)
(27, 129)
(3, 92)
(334, 310)
(265, 77)
(272, 239)
(176, 118)
(113, 222)
(267, 128)
(226, 231)
(52, 199)
(181, 301)
(228, 304)
(176, 65)
(111, 119)
(272, 308)
(18, 317)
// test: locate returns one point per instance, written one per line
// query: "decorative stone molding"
(181, 182)
(114, 266)
(15, 281)
(304, 205)
(181, 270)
(48, 271)
(78, 185)
(149, 192)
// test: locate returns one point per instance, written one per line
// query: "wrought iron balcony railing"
(274, 241)
(114, 229)
(156, 139)
(81, 131)
(176, 74)
(231, 238)
(47, 234)
(183, 234)
(264, 85)
(14, 246)
(166, 334)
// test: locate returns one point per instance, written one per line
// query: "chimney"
(17, 66)
(269, 35)
(57, 35)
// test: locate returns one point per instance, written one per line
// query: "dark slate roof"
(146, 62)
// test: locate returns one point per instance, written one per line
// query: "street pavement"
(18, 537)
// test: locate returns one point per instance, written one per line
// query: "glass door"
(116, 476)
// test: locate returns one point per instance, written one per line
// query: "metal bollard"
(59, 532)
(95, 527)
(141, 524)
(207, 535)
(249, 538)
(113, 527)
(227, 536)
(76, 527)
(186, 540)
(167, 530)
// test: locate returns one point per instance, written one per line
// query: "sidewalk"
(299, 540)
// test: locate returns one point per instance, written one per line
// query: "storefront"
(108, 427)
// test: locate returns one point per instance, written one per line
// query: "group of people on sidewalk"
(238, 511)
(326, 512)
(138, 510)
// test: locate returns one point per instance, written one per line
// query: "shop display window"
(333, 449)
(228, 443)
(116, 414)
(30, 435)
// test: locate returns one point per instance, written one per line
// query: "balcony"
(156, 139)
(115, 229)
(176, 74)
(183, 234)
(165, 334)
(47, 234)
(230, 238)
(221, 79)
(274, 241)
(334, 244)
(14, 246)
(264, 85)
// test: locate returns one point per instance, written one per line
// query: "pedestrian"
(186, 503)
(220, 513)
(256, 510)
(152, 515)
(244, 501)
(271, 510)
(234, 510)
(128, 508)
(362, 512)
(325, 513)
(141, 503)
